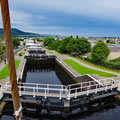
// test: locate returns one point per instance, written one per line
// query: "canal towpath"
(2, 65)
(18, 70)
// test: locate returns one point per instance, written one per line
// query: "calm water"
(44, 76)
(46, 73)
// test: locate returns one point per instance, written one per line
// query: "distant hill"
(18, 33)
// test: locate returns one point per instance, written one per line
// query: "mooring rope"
(10, 58)
(18, 112)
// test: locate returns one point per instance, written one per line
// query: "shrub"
(100, 52)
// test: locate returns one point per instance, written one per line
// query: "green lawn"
(84, 70)
(96, 66)
(5, 72)
(51, 52)
(22, 53)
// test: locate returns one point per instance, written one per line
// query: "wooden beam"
(10, 57)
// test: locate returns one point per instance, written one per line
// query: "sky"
(85, 18)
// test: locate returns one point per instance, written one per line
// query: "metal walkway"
(62, 91)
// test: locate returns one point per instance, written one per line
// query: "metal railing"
(101, 82)
(39, 89)
(86, 90)
(62, 91)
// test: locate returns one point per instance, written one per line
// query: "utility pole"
(10, 58)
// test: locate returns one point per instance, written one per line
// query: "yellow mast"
(10, 58)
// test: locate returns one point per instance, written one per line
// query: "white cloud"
(25, 14)
(19, 18)
(102, 9)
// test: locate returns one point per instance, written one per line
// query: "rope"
(18, 112)
(10, 57)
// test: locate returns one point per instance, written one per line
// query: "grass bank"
(84, 70)
(96, 66)
(91, 64)
(22, 53)
(116, 61)
(5, 72)
(51, 52)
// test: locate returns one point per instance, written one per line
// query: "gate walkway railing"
(62, 91)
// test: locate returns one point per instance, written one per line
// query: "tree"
(108, 41)
(1, 47)
(79, 46)
(77, 37)
(54, 45)
(16, 42)
(112, 42)
(39, 40)
(100, 52)
(24, 43)
(62, 47)
(71, 46)
(84, 46)
(48, 40)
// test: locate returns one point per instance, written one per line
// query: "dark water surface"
(43, 76)
(108, 111)
(46, 73)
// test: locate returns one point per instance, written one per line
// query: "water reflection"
(46, 72)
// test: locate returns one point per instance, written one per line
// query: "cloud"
(84, 17)
(24, 19)
(102, 9)
(19, 18)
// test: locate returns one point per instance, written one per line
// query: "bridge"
(62, 91)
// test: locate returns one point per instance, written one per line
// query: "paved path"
(2, 65)
(17, 57)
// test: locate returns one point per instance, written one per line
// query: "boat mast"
(10, 58)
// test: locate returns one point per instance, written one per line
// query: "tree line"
(70, 45)
(78, 47)
(16, 43)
